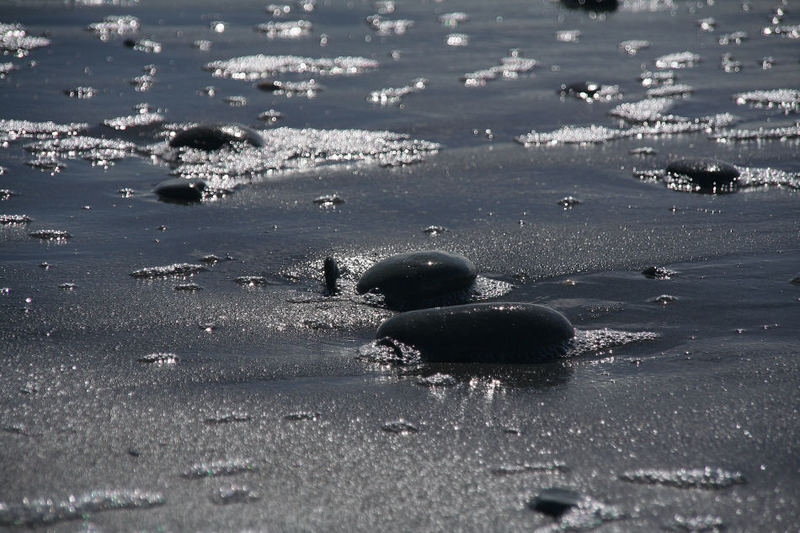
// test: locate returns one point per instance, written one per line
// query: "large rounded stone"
(406, 279)
(483, 332)
(709, 175)
(211, 137)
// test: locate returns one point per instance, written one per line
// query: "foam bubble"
(177, 269)
(294, 29)
(393, 95)
(159, 358)
(81, 93)
(386, 27)
(668, 91)
(264, 66)
(451, 20)
(224, 467)
(234, 494)
(677, 60)
(760, 134)
(134, 121)
(525, 468)
(44, 511)
(50, 235)
(569, 135)
(732, 38)
(148, 46)
(399, 427)
(787, 31)
(708, 523)
(596, 340)
(787, 100)
(11, 129)
(632, 47)
(15, 40)
(698, 478)
(14, 220)
(510, 67)
(114, 25)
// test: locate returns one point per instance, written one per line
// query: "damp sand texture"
(175, 357)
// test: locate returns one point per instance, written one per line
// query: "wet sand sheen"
(190, 366)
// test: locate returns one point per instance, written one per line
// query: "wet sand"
(261, 414)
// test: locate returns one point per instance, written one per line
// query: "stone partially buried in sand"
(211, 137)
(555, 501)
(705, 175)
(483, 333)
(180, 190)
(406, 280)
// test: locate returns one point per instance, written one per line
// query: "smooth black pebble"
(211, 137)
(181, 190)
(331, 272)
(483, 333)
(555, 501)
(710, 175)
(406, 280)
(597, 6)
(585, 90)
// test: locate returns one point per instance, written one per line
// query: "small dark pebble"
(655, 272)
(270, 86)
(434, 230)
(796, 281)
(568, 202)
(707, 175)
(595, 6)
(585, 90)
(663, 299)
(252, 281)
(331, 272)
(211, 137)
(407, 279)
(133, 452)
(181, 190)
(301, 416)
(329, 200)
(555, 501)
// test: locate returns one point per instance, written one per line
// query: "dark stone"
(596, 6)
(585, 90)
(555, 501)
(709, 175)
(211, 137)
(483, 333)
(331, 272)
(270, 86)
(407, 279)
(181, 190)
(656, 272)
